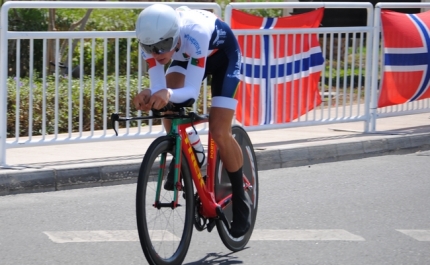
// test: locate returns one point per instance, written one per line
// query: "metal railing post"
(375, 69)
(370, 76)
(3, 83)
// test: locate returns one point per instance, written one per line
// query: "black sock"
(236, 179)
(241, 205)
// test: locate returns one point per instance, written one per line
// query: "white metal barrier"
(82, 134)
(343, 101)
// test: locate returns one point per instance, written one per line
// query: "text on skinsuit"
(212, 149)
(194, 42)
(194, 162)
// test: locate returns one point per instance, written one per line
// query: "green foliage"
(106, 20)
(97, 51)
(75, 96)
(267, 12)
(100, 20)
(28, 20)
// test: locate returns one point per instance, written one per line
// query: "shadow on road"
(216, 258)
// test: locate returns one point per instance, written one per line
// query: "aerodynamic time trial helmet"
(157, 28)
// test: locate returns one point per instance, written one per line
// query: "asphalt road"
(366, 211)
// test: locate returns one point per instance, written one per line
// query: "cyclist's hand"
(159, 99)
(141, 100)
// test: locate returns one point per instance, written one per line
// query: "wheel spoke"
(162, 229)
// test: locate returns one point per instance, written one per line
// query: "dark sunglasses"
(159, 47)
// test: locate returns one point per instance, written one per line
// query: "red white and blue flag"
(279, 73)
(406, 67)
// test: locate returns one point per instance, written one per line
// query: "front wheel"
(223, 188)
(164, 232)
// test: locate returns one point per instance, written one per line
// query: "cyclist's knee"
(222, 136)
(220, 125)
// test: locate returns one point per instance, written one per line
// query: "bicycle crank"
(199, 221)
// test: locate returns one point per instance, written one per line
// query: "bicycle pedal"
(222, 216)
(210, 226)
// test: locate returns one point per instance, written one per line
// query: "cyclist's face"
(163, 58)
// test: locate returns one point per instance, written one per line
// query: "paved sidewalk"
(59, 167)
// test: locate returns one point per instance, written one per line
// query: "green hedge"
(22, 95)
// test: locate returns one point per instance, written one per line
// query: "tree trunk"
(82, 23)
(50, 54)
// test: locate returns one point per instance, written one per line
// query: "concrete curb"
(302, 156)
(42, 180)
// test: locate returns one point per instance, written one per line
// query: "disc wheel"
(223, 189)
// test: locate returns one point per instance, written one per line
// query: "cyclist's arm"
(195, 70)
(157, 80)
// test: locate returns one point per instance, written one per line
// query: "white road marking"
(158, 235)
(106, 236)
(305, 235)
(420, 235)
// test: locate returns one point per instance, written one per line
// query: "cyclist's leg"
(220, 128)
(231, 156)
(225, 68)
(250, 179)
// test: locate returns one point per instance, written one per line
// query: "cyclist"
(199, 44)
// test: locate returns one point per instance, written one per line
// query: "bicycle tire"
(223, 188)
(165, 233)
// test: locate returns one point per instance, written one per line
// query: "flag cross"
(271, 69)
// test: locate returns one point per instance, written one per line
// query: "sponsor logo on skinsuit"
(220, 36)
(194, 42)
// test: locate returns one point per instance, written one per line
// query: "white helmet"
(157, 28)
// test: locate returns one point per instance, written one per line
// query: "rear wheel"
(164, 233)
(223, 188)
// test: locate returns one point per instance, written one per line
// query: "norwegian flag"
(279, 73)
(406, 67)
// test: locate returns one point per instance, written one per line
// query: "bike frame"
(205, 188)
(209, 206)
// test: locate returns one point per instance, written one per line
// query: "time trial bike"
(165, 219)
